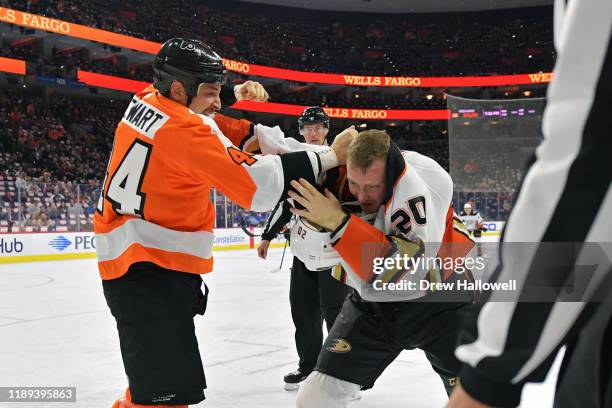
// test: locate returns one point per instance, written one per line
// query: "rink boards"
(46, 246)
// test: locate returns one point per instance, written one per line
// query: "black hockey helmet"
(190, 62)
(313, 114)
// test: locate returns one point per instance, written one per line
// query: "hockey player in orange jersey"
(154, 219)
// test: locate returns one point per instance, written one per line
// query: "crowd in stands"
(69, 137)
(54, 148)
(489, 157)
(33, 204)
(356, 99)
(368, 99)
(54, 154)
(451, 44)
(65, 65)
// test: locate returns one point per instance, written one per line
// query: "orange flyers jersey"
(417, 207)
(155, 205)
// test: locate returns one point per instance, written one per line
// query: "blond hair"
(368, 147)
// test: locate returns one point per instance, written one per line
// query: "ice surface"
(56, 330)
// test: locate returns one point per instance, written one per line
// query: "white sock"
(324, 391)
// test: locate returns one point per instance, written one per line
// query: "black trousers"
(585, 378)
(368, 336)
(154, 309)
(314, 296)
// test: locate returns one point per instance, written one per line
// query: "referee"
(565, 199)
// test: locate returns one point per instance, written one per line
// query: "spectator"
(504, 41)
(75, 208)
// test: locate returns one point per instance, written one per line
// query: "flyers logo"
(339, 346)
(185, 45)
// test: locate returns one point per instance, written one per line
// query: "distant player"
(314, 294)
(474, 223)
(405, 202)
(154, 219)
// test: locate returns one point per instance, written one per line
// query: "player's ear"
(177, 92)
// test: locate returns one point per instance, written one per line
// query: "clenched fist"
(342, 143)
(251, 91)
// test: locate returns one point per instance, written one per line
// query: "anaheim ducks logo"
(339, 346)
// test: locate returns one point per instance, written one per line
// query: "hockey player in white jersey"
(474, 223)
(408, 197)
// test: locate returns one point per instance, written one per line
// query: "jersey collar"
(394, 169)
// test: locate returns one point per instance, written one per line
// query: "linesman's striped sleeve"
(565, 197)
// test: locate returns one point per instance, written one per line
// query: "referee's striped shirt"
(565, 197)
